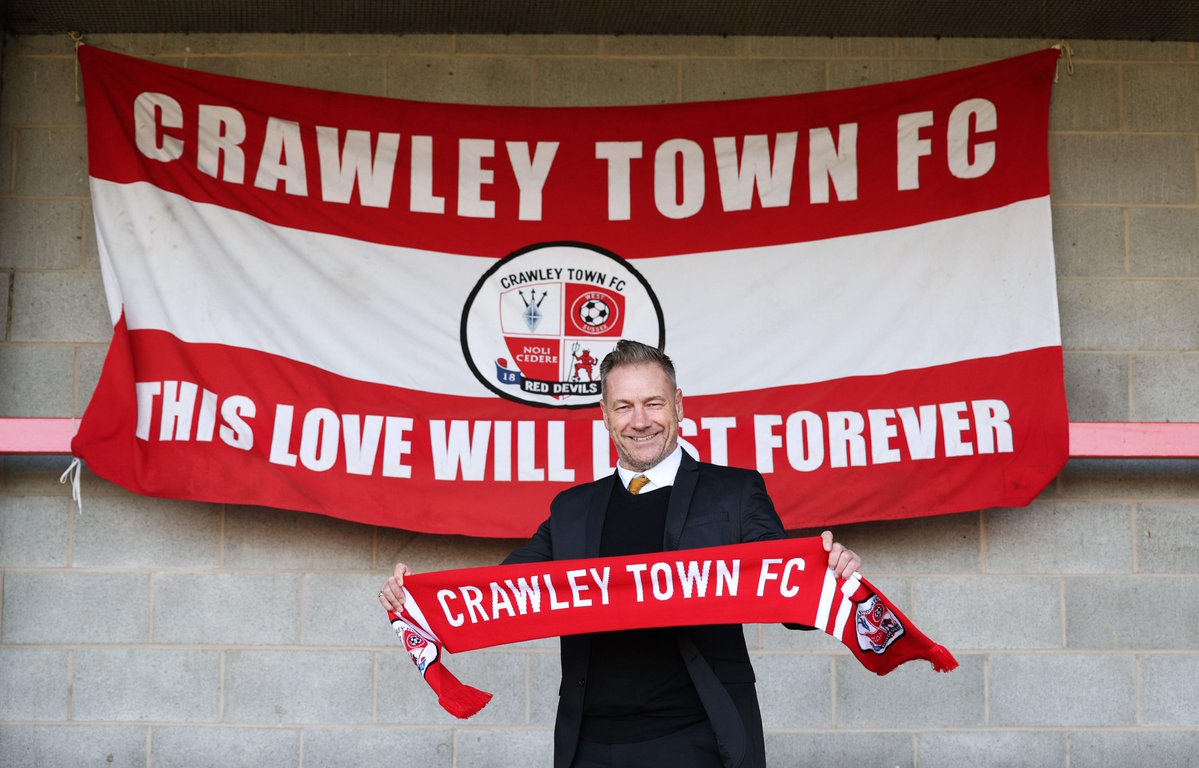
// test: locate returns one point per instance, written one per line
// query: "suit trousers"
(693, 747)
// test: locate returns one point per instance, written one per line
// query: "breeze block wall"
(145, 632)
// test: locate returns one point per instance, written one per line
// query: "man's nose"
(640, 419)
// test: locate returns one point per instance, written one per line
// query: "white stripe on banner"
(972, 287)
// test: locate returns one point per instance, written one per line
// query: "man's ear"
(678, 404)
(604, 414)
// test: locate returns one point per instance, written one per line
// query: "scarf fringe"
(456, 697)
(942, 660)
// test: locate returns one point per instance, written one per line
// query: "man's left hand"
(841, 561)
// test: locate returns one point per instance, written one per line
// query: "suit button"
(582, 682)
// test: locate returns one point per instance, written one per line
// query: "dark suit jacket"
(709, 506)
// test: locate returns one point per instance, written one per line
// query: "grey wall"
(165, 633)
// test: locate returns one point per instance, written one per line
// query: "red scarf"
(765, 582)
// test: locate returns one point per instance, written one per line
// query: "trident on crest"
(532, 313)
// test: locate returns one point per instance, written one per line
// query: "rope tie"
(77, 39)
(1068, 51)
(74, 470)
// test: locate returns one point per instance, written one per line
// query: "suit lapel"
(680, 502)
(597, 510)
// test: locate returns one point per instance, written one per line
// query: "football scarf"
(764, 582)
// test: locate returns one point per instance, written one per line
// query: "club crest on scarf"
(423, 652)
(877, 625)
(561, 308)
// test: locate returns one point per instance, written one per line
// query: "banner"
(393, 312)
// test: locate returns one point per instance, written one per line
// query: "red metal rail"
(1088, 439)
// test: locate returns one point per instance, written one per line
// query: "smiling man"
(653, 697)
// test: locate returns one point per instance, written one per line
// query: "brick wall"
(164, 633)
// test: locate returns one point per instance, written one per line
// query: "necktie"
(637, 483)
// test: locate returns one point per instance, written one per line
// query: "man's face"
(642, 413)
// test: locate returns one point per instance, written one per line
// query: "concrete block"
(545, 677)
(231, 44)
(73, 745)
(187, 747)
(256, 537)
(823, 47)
(40, 234)
(1170, 690)
(461, 80)
(227, 608)
(59, 306)
(865, 700)
(1132, 50)
(1088, 242)
(85, 607)
(1130, 478)
(982, 49)
(716, 79)
(132, 44)
(41, 91)
(1161, 97)
(433, 552)
(1060, 537)
(1128, 612)
(41, 45)
(526, 748)
(348, 74)
(51, 161)
(1097, 386)
(1122, 169)
(34, 475)
(152, 684)
(5, 284)
(1166, 536)
(38, 380)
(973, 612)
(673, 45)
(380, 747)
(597, 82)
(938, 544)
(378, 45)
(1088, 100)
(1119, 749)
(852, 74)
(35, 684)
(6, 153)
(1163, 387)
(795, 690)
(34, 531)
(1021, 684)
(217, 65)
(527, 45)
(91, 364)
(143, 532)
(501, 673)
(1162, 242)
(994, 749)
(298, 687)
(341, 609)
(1129, 314)
(403, 697)
(893, 750)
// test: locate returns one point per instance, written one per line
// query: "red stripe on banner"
(254, 428)
(639, 181)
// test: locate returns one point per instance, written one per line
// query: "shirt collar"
(660, 475)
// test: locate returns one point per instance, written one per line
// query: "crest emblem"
(538, 323)
(423, 653)
(877, 625)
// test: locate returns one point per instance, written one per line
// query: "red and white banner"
(393, 312)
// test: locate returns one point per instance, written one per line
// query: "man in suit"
(655, 697)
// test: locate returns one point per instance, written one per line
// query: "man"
(654, 697)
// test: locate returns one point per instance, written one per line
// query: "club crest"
(423, 652)
(877, 625)
(538, 323)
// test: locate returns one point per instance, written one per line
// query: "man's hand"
(391, 596)
(841, 561)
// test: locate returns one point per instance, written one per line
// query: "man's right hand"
(391, 596)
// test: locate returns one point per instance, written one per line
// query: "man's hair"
(629, 352)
